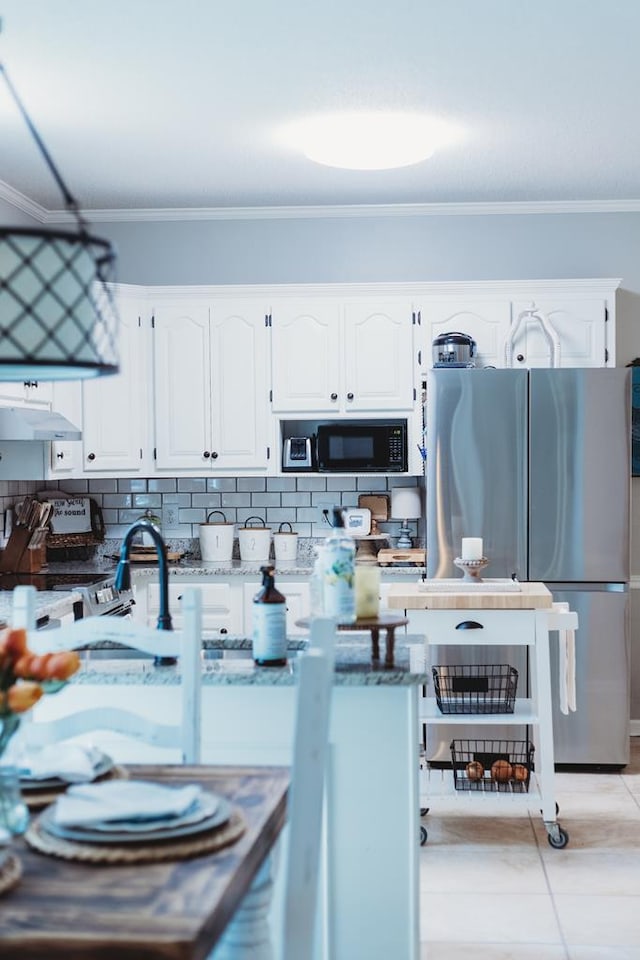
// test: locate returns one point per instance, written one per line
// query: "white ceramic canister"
(255, 542)
(216, 539)
(285, 545)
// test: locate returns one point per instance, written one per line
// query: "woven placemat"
(179, 849)
(10, 872)
(37, 799)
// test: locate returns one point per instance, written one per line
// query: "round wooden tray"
(10, 872)
(41, 840)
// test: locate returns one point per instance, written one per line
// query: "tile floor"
(492, 888)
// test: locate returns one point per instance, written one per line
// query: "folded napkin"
(89, 804)
(73, 762)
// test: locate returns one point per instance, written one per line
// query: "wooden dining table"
(174, 910)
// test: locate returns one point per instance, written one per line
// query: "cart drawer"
(467, 627)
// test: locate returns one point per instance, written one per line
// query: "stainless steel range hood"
(25, 423)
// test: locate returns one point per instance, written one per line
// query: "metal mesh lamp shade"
(405, 505)
(57, 315)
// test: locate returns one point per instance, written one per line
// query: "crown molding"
(23, 203)
(329, 211)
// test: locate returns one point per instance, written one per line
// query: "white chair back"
(184, 735)
(247, 937)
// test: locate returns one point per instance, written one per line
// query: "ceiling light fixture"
(58, 319)
(372, 140)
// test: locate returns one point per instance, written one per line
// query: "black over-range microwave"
(362, 446)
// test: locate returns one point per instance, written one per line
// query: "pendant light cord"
(69, 200)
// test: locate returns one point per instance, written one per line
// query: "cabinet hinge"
(139, 321)
(415, 395)
(268, 453)
(270, 396)
(267, 319)
(606, 355)
(153, 321)
(416, 317)
(141, 453)
(419, 358)
(606, 314)
(155, 454)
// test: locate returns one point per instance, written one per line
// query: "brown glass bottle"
(269, 637)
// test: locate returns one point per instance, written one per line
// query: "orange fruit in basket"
(501, 771)
(520, 772)
(475, 770)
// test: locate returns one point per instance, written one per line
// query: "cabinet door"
(66, 455)
(114, 407)
(487, 321)
(378, 356)
(182, 384)
(239, 393)
(221, 605)
(579, 325)
(297, 597)
(306, 353)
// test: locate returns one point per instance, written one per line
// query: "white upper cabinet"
(535, 323)
(342, 356)
(210, 364)
(306, 350)
(114, 408)
(578, 329)
(66, 455)
(486, 321)
(26, 393)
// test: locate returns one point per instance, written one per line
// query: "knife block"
(17, 558)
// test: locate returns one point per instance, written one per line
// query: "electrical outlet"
(170, 519)
(326, 502)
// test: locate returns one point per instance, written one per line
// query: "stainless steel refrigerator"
(537, 463)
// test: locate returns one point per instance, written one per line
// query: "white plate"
(103, 765)
(139, 832)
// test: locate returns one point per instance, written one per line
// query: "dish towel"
(87, 804)
(566, 663)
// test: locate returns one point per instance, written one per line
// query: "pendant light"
(58, 319)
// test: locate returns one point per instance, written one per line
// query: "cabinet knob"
(334, 396)
(520, 357)
(206, 454)
(91, 456)
(223, 630)
(349, 396)
(60, 456)
(214, 455)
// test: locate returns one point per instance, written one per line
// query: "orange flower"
(22, 696)
(61, 666)
(33, 666)
(13, 642)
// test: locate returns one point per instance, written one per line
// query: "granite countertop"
(353, 666)
(199, 568)
(51, 603)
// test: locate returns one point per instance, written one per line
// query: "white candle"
(471, 548)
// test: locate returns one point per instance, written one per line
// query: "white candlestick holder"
(471, 569)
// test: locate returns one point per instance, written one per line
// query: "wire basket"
(492, 766)
(475, 688)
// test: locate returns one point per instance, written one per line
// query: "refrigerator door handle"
(469, 625)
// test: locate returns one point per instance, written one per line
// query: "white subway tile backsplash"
(274, 500)
(104, 485)
(164, 485)
(251, 483)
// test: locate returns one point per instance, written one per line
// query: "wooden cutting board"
(411, 596)
(138, 555)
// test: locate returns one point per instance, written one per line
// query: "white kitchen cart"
(522, 615)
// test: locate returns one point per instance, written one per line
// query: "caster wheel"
(424, 811)
(560, 840)
(423, 836)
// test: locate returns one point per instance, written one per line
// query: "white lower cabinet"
(221, 609)
(295, 593)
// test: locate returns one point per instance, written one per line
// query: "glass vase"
(14, 813)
